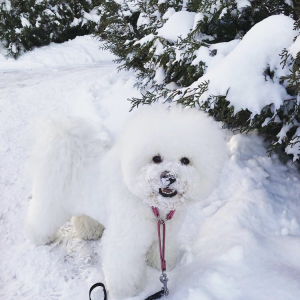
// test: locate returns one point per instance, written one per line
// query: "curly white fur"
(77, 172)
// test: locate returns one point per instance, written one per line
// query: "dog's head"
(171, 157)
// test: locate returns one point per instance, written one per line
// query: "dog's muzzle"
(167, 179)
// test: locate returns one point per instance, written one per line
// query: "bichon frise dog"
(164, 158)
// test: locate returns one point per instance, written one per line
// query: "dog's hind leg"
(87, 228)
(61, 164)
(43, 222)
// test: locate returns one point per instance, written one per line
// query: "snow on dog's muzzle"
(167, 179)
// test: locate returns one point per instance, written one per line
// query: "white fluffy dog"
(165, 158)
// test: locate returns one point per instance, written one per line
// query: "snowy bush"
(256, 86)
(289, 113)
(161, 39)
(233, 59)
(25, 24)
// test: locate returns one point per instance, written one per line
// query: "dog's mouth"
(165, 192)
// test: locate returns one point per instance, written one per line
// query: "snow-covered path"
(242, 244)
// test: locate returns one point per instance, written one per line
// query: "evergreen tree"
(287, 131)
(167, 68)
(129, 30)
(25, 24)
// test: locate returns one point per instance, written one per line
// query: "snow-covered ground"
(242, 244)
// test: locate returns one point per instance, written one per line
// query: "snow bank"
(81, 50)
(242, 70)
(244, 241)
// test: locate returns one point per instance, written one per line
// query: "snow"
(168, 13)
(294, 147)
(92, 15)
(282, 133)
(246, 243)
(242, 3)
(241, 243)
(143, 20)
(289, 2)
(198, 17)
(81, 50)
(242, 70)
(75, 22)
(159, 49)
(178, 24)
(159, 75)
(223, 12)
(295, 47)
(145, 39)
(25, 22)
(7, 4)
(222, 50)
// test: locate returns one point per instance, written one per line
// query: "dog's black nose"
(167, 178)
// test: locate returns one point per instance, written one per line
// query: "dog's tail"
(65, 151)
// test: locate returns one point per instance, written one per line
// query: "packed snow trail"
(241, 244)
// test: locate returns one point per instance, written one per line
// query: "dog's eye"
(185, 161)
(157, 159)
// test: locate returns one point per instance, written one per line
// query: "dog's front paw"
(125, 274)
(121, 286)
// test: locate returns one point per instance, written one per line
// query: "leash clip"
(164, 280)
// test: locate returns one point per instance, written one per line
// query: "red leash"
(162, 247)
(162, 243)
